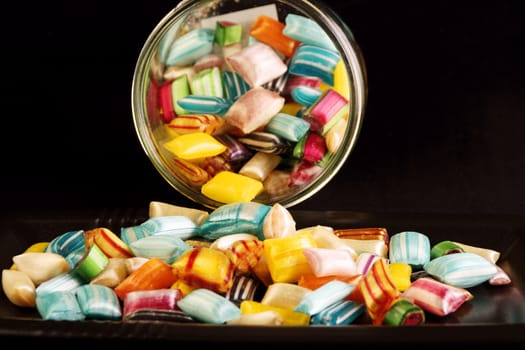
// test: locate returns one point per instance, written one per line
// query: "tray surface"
(495, 315)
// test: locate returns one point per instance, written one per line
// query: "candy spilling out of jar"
(249, 102)
(246, 263)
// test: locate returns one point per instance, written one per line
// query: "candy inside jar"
(249, 100)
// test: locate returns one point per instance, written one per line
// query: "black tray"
(496, 315)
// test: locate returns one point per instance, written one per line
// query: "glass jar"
(220, 29)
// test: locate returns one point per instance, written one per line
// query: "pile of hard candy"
(246, 263)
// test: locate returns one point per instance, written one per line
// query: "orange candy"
(270, 31)
(153, 274)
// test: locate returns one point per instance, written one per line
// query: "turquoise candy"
(340, 313)
(462, 270)
(287, 126)
(173, 225)
(307, 31)
(238, 217)
(198, 104)
(234, 85)
(132, 233)
(314, 61)
(74, 257)
(99, 302)
(410, 247)
(208, 306)
(65, 282)
(191, 46)
(164, 247)
(324, 296)
(305, 95)
(67, 243)
(59, 306)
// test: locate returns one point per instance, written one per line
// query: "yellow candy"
(203, 267)
(196, 145)
(285, 258)
(285, 295)
(192, 172)
(291, 108)
(245, 254)
(400, 273)
(341, 83)
(184, 287)
(290, 317)
(230, 187)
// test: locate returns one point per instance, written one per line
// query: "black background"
(442, 130)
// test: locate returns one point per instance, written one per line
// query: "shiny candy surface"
(158, 299)
(289, 316)
(18, 288)
(285, 295)
(98, 302)
(378, 290)
(436, 297)
(153, 274)
(324, 296)
(404, 313)
(208, 306)
(237, 217)
(203, 267)
(340, 313)
(461, 269)
(230, 187)
(194, 146)
(410, 247)
(285, 257)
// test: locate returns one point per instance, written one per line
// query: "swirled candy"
(461, 269)
(324, 296)
(340, 313)
(328, 261)
(436, 297)
(59, 306)
(410, 247)
(207, 306)
(238, 217)
(378, 291)
(190, 47)
(203, 267)
(404, 313)
(307, 31)
(243, 288)
(67, 243)
(98, 302)
(158, 299)
(444, 248)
